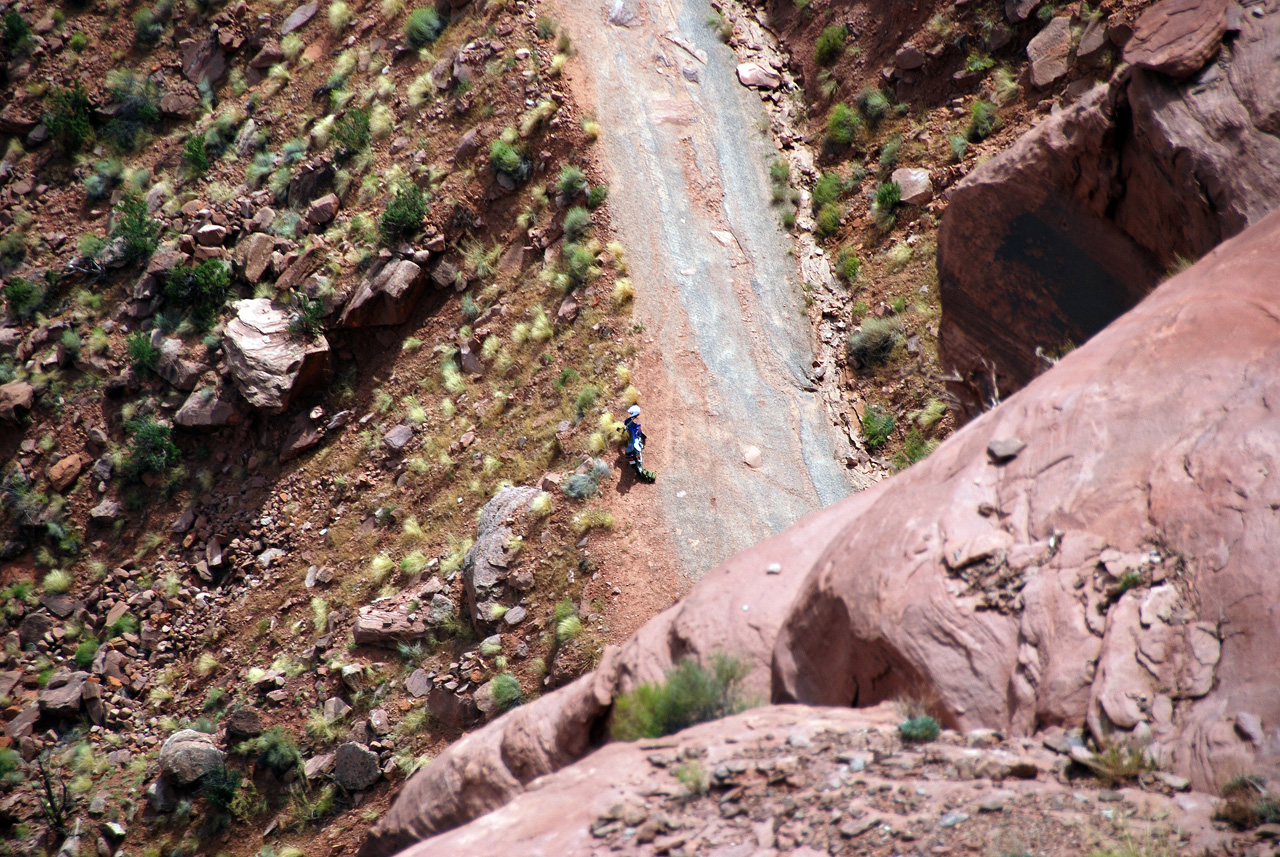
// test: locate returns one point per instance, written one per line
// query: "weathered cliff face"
(1116, 571)
(1045, 244)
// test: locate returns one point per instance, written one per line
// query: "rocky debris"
(386, 297)
(1011, 574)
(106, 513)
(318, 766)
(299, 18)
(1050, 53)
(203, 61)
(757, 75)
(210, 407)
(418, 683)
(61, 696)
(386, 626)
(255, 254)
(1093, 40)
(64, 473)
(486, 565)
(398, 437)
(1080, 218)
(187, 755)
(1177, 37)
(16, 399)
(322, 210)
(306, 432)
(270, 367)
(355, 767)
(915, 184)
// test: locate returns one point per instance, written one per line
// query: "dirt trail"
(727, 357)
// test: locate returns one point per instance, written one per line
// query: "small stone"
(773, 568)
(398, 438)
(515, 615)
(355, 767)
(953, 818)
(335, 708)
(752, 457)
(1004, 449)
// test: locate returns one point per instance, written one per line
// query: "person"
(634, 449)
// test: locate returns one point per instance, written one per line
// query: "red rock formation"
(1117, 570)
(1042, 246)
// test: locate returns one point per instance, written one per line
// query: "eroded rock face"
(1005, 584)
(1009, 602)
(1043, 245)
(269, 366)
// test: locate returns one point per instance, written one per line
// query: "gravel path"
(687, 155)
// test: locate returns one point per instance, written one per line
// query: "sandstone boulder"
(1177, 37)
(322, 210)
(64, 473)
(755, 74)
(484, 568)
(254, 253)
(386, 296)
(61, 696)
(915, 184)
(1050, 53)
(271, 367)
(16, 399)
(173, 366)
(187, 755)
(210, 407)
(1046, 243)
(106, 513)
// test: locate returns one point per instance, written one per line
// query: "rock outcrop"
(1046, 243)
(271, 367)
(387, 296)
(1098, 569)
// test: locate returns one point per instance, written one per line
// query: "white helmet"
(633, 411)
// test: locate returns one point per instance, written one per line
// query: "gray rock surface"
(355, 767)
(187, 755)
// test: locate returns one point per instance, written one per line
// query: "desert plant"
(23, 297)
(918, 730)
(339, 16)
(86, 651)
(276, 749)
(351, 133)
(983, 121)
(423, 27)
(404, 213)
(959, 147)
(577, 223)
(307, 321)
(843, 123)
(220, 786)
(873, 342)
(141, 232)
(690, 693)
(199, 291)
(571, 182)
(848, 265)
(17, 33)
(142, 354)
(134, 110)
(592, 519)
(506, 159)
(506, 691)
(828, 220)
(596, 195)
(67, 119)
(877, 425)
(1118, 764)
(826, 190)
(194, 156)
(830, 44)
(873, 105)
(58, 582)
(151, 449)
(914, 448)
(692, 776)
(580, 486)
(1247, 803)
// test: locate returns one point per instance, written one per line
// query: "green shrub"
(848, 265)
(1248, 803)
(572, 181)
(587, 398)
(78, 41)
(830, 44)
(780, 172)
(843, 123)
(404, 214)
(13, 248)
(276, 749)
(505, 158)
(17, 34)
(148, 24)
(959, 147)
(141, 232)
(23, 297)
(877, 425)
(67, 119)
(689, 694)
(580, 486)
(351, 133)
(597, 195)
(308, 320)
(873, 104)
(220, 786)
(10, 767)
(86, 651)
(829, 219)
(874, 342)
(423, 27)
(134, 111)
(826, 190)
(58, 582)
(914, 448)
(506, 691)
(889, 153)
(577, 223)
(199, 292)
(151, 449)
(919, 729)
(194, 155)
(888, 195)
(142, 354)
(983, 121)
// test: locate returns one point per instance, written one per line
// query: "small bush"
(142, 354)
(67, 119)
(404, 214)
(351, 133)
(874, 342)
(848, 265)
(339, 16)
(1117, 765)
(220, 786)
(505, 158)
(919, 729)
(693, 777)
(597, 195)
(873, 105)
(1247, 803)
(135, 111)
(983, 121)
(888, 195)
(276, 749)
(843, 123)
(307, 321)
(830, 44)
(151, 450)
(86, 651)
(141, 233)
(577, 223)
(690, 693)
(580, 486)
(148, 27)
(829, 220)
(826, 190)
(506, 691)
(572, 181)
(58, 582)
(889, 153)
(915, 448)
(423, 27)
(592, 519)
(959, 147)
(200, 291)
(23, 297)
(194, 155)
(877, 425)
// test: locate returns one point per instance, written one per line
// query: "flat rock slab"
(1050, 53)
(754, 74)
(299, 18)
(1178, 37)
(268, 364)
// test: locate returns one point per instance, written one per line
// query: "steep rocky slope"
(1045, 244)
(1066, 560)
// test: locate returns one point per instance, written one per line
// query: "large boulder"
(1177, 37)
(1046, 243)
(173, 366)
(386, 296)
(1114, 572)
(484, 568)
(210, 407)
(269, 365)
(187, 755)
(61, 696)
(16, 399)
